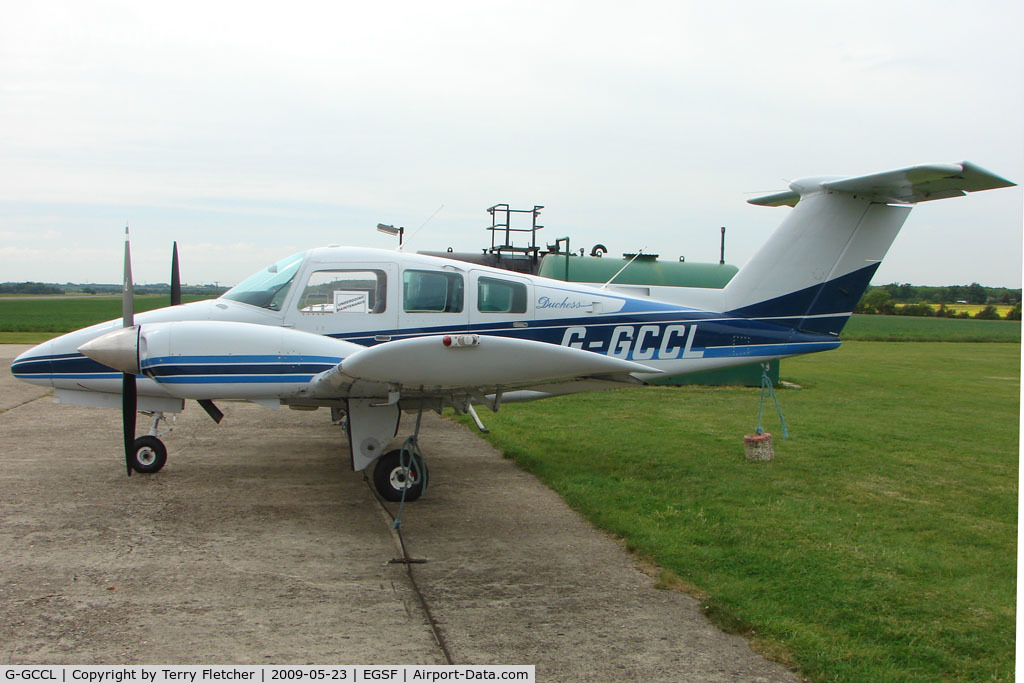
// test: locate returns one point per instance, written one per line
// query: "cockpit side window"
(431, 291)
(500, 296)
(269, 287)
(344, 291)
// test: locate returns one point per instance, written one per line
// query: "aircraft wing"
(442, 364)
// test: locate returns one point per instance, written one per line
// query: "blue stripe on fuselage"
(162, 372)
(641, 336)
(245, 369)
(261, 359)
(237, 379)
(648, 335)
(63, 365)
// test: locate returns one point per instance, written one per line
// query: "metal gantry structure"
(502, 227)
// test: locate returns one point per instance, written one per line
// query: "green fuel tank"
(645, 270)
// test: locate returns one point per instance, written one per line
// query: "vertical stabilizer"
(812, 271)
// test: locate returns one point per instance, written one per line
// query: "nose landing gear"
(150, 454)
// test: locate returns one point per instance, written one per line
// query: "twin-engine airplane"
(371, 333)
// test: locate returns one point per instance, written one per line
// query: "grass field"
(907, 328)
(34, 320)
(879, 545)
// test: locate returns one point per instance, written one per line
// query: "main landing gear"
(396, 473)
(399, 475)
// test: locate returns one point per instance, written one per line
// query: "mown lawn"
(879, 544)
(34, 320)
(908, 328)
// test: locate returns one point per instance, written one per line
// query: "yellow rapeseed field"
(972, 309)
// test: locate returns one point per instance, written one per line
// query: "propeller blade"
(129, 394)
(211, 409)
(128, 415)
(128, 289)
(175, 278)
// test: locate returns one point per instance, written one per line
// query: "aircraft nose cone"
(118, 349)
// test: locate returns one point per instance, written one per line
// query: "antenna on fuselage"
(635, 257)
(400, 246)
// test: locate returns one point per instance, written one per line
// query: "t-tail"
(812, 271)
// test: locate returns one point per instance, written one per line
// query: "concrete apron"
(257, 544)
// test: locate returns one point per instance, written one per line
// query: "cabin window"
(344, 291)
(431, 291)
(500, 296)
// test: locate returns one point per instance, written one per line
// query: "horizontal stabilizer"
(459, 361)
(911, 185)
(785, 198)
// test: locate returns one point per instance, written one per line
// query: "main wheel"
(150, 455)
(391, 478)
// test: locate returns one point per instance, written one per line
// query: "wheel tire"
(390, 480)
(150, 455)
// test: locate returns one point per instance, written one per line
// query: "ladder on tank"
(521, 258)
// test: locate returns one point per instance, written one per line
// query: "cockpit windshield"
(269, 287)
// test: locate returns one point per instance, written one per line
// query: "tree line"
(29, 288)
(922, 300)
(973, 293)
(72, 288)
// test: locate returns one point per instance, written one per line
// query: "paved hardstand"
(258, 544)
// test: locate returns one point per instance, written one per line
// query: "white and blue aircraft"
(371, 333)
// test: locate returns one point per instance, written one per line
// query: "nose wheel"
(393, 475)
(149, 455)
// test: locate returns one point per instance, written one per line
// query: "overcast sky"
(246, 131)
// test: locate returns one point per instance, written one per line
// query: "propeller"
(119, 349)
(211, 409)
(129, 394)
(175, 278)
